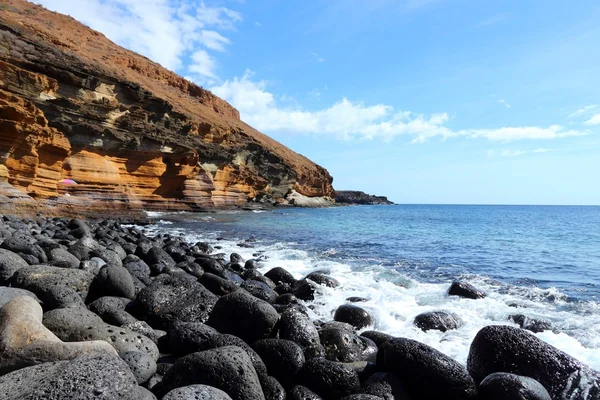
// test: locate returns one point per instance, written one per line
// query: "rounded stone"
(280, 275)
(385, 385)
(427, 372)
(260, 290)
(300, 392)
(218, 285)
(297, 327)
(500, 386)
(196, 392)
(322, 279)
(63, 321)
(283, 359)
(113, 281)
(10, 263)
(243, 315)
(438, 320)
(378, 337)
(141, 365)
(531, 324)
(40, 278)
(346, 346)
(465, 290)
(356, 316)
(328, 379)
(272, 389)
(62, 255)
(9, 293)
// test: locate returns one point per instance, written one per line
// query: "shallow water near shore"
(543, 259)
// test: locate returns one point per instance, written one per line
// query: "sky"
(423, 101)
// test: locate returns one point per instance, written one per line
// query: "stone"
(356, 316)
(361, 396)
(531, 324)
(300, 392)
(260, 290)
(157, 255)
(112, 281)
(280, 275)
(346, 346)
(502, 348)
(378, 337)
(217, 285)
(204, 247)
(426, 372)
(40, 278)
(196, 392)
(297, 327)
(236, 258)
(24, 246)
(62, 255)
(501, 385)
(304, 289)
(385, 385)
(25, 341)
(9, 293)
(438, 320)
(466, 290)
(323, 279)
(357, 299)
(329, 379)
(138, 269)
(82, 248)
(9, 264)
(227, 368)
(95, 376)
(141, 365)
(170, 299)
(272, 389)
(145, 394)
(283, 359)
(60, 297)
(143, 328)
(243, 315)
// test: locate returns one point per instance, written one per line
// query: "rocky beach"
(99, 309)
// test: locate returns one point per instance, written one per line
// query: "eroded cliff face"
(133, 135)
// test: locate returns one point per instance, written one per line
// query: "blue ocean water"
(539, 261)
(543, 246)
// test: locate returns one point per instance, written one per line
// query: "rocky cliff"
(346, 197)
(131, 134)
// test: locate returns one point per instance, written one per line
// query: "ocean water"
(545, 259)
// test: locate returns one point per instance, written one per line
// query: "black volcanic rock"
(358, 197)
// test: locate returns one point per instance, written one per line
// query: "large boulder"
(466, 290)
(40, 278)
(344, 345)
(243, 315)
(501, 386)
(356, 316)
(502, 348)
(9, 293)
(438, 320)
(63, 321)
(89, 377)
(283, 359)
(297, 327)
(196, 392)
(141, 365)
(427, 372)
(280, 275)
(112, 280)
(172, 298)
(328, 379)
(25, 341)
(62, 256)
(227, 368)
(385, 385)
(9, 264)
(300, 392)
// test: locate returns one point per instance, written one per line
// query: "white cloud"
(503, 102)
(595, 120)
(347, 120)
(258, 23)
(314, 94)
(585, 111)
(166, 31)
(318, 57)
(515, 153)
(203, 64)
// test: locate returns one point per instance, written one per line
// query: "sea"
(539, 261)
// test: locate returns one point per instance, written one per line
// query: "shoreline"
(227, 285)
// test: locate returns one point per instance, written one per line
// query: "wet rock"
(192, 268)
(283, 359)
(236, 258)
(426, 372)
(328, 379)
(112, 281)
(361, 396)
(466, 290)
(218, 285)
(297, 327)
(204, 247)
(385, 385)
(287, 298)
(501, 386)
(438, 320)
(353, 315)
(507, 349)
(91, 377)
(357, 299)
(251, 264)
(280, 275)
(63, 256)
(344, 345)
(531, 324)
(40, 278)
(210, 265)
(323, 279)
(141, 365)
(25, 341)
(255, 275)
(9, 264)
(196, 392)
(243, 315)
(378, 337)
(9, 293)
(227, 368)
(172, 298)
(272, 389)
(300, 392)
(260, 290)
(304, 289)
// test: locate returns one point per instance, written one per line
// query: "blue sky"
(425, 101)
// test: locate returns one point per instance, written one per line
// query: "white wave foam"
(395, 299)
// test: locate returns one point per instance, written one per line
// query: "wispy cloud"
(166, 31)
(346, 119)
(503, 102)
(515, 153)
(318, 57)
(595, 120)
(584, 111)
(314, 94)
(256, 23)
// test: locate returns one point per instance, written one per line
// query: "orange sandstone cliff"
(130, 133)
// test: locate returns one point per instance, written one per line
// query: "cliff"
(131, 134)
(346, 197)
